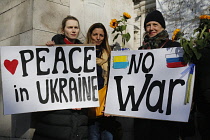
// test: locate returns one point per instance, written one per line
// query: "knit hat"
(155, 16)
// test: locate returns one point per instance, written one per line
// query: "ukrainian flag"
(189, 81)
(120, 62)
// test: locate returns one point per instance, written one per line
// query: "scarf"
(156, 41)
(67, 41)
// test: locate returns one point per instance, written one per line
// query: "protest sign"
(150, 84)
(40, 78)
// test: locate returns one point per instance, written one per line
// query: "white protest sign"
(37, 78)
(149, 84)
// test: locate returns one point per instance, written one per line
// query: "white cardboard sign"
(37, 78)
(149, 84)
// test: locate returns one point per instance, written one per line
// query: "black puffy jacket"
(65, 124)
(59, 39)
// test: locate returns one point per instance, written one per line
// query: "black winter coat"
(59, 39)
(202, 82)
(169, 44)
(65, 124)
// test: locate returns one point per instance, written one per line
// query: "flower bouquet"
(192, 47)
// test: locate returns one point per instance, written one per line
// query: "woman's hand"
(76, 108)
(106, 115)
(50, 43)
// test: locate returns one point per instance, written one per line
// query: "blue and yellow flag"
(120, 62)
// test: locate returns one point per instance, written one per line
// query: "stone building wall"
(92, 11)
(30, 22)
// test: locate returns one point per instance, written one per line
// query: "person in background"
(156, 37)
(202, 87)
(101, 127)
(68, 124)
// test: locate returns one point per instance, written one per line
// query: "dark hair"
(105, 43)
(66, 19)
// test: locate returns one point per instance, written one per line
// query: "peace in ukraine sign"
(37, 78)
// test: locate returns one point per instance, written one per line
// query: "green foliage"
(192, 47)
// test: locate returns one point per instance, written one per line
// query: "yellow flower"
(201, 17)
(113, 23)
(174, 37)
(126, 15)
(204, 17)
(120, 28)
(204, 21)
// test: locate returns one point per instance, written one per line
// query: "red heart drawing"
(11, 65)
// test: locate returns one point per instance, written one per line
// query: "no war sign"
(153, 84)
(40, 78)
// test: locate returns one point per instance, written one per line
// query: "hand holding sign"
(11, 65)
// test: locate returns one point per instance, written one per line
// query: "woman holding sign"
(70, 32)
(156, 37)
(101, 126)
(69, 124)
